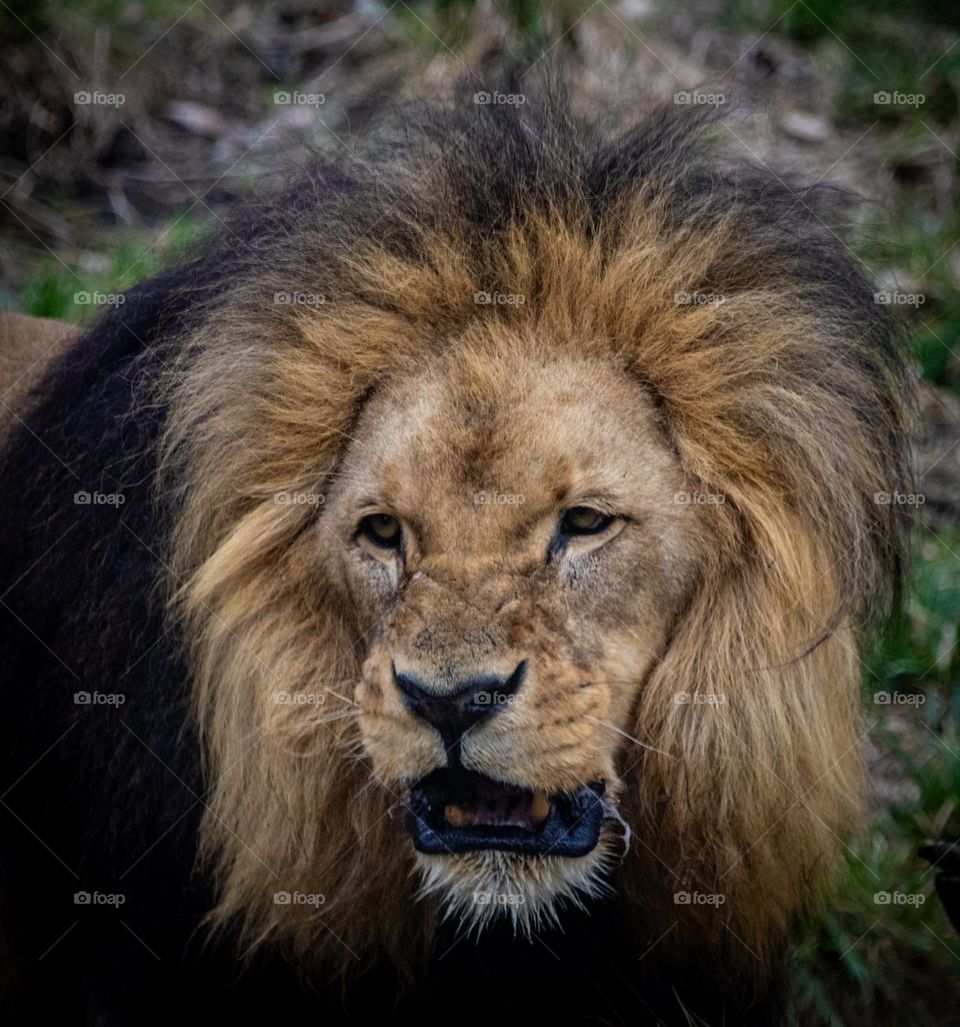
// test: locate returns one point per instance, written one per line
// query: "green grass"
(871, 962)
(436, 26)
(22, 19)
(57, 287)
(921, 253)
(878, 45)
(890, 963)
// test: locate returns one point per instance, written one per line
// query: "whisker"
(620, 731)
(331, 717)
(344, 698)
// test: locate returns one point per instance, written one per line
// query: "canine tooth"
(539, 808)
(456, 816)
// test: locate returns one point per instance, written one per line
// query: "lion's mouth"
(455, 810)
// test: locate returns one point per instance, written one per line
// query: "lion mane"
(725, 291)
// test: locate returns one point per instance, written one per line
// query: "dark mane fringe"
(461, 176)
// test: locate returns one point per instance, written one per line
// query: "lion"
(27, 346)
(496, 527)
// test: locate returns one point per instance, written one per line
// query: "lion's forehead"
(500, 448)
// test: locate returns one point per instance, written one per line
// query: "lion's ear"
(753, 769)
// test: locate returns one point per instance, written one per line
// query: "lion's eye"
(583, 520)
(382, 530)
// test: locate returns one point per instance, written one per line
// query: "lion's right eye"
(382, 530)
(584, 520)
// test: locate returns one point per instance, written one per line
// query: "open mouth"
(457, 810)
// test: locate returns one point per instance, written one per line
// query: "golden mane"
(778, 382)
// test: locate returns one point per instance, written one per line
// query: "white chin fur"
(477, 888)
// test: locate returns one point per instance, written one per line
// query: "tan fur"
(598, 380)
(27, 345)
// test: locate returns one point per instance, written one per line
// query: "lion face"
(515, 581)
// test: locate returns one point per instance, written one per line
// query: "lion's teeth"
(528, 812)
(539, 809)
(457, 816)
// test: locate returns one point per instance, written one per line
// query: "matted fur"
(785, 398)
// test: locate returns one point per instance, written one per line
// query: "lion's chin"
(478, 888)
(491, 850)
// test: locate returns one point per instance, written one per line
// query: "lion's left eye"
(382, 530)
(584, 520)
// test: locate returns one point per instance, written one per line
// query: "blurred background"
(127, 127)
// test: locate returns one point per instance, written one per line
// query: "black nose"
(454, 712)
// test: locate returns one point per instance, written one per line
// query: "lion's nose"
(454, 711)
